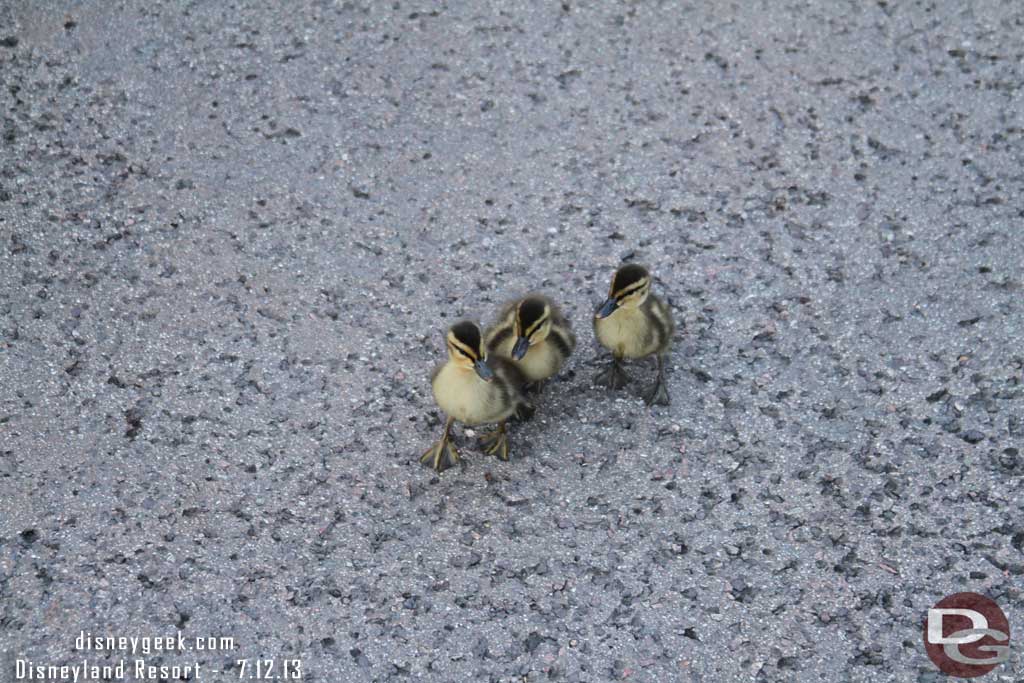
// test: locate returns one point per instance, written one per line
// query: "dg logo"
(967, 635)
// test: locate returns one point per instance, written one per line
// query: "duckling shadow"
(638, 376)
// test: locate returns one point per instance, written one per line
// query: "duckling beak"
(483, 370)
(520, 349)
(607, 308)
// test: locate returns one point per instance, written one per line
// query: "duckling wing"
(561, 328)
(662, 325)
(508, 375)
(563, 339)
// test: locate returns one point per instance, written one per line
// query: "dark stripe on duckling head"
(467, 333)
(530, 312)
(628, 275)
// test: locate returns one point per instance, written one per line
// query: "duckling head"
(630, 287)
(466, 349)
(532, 325)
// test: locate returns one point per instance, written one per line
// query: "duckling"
(533, 332)
(473, 388)
(633, 323)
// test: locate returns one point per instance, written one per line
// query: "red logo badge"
(967, 635)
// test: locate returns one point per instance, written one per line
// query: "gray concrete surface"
(231, 236)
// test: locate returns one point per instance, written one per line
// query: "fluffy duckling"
(633, 323)
(535, 334)
(473, 388)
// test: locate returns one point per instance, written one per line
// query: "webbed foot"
(657, 394)
(441, 455)
(496, 442)
(613, 377)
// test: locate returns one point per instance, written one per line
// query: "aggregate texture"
(233, 234)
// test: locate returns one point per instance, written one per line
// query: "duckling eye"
(534, 328)
(635, 289)
(460, 350)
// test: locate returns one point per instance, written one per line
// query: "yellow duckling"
(533, 332)
(473, 388)
(633, 323)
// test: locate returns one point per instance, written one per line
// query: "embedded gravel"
(231, 238)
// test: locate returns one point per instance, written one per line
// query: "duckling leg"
(658, 394)
(496, 443)
(613, 377)
(536, 387)
(442, 454)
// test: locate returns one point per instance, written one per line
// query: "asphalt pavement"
(233, 234)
